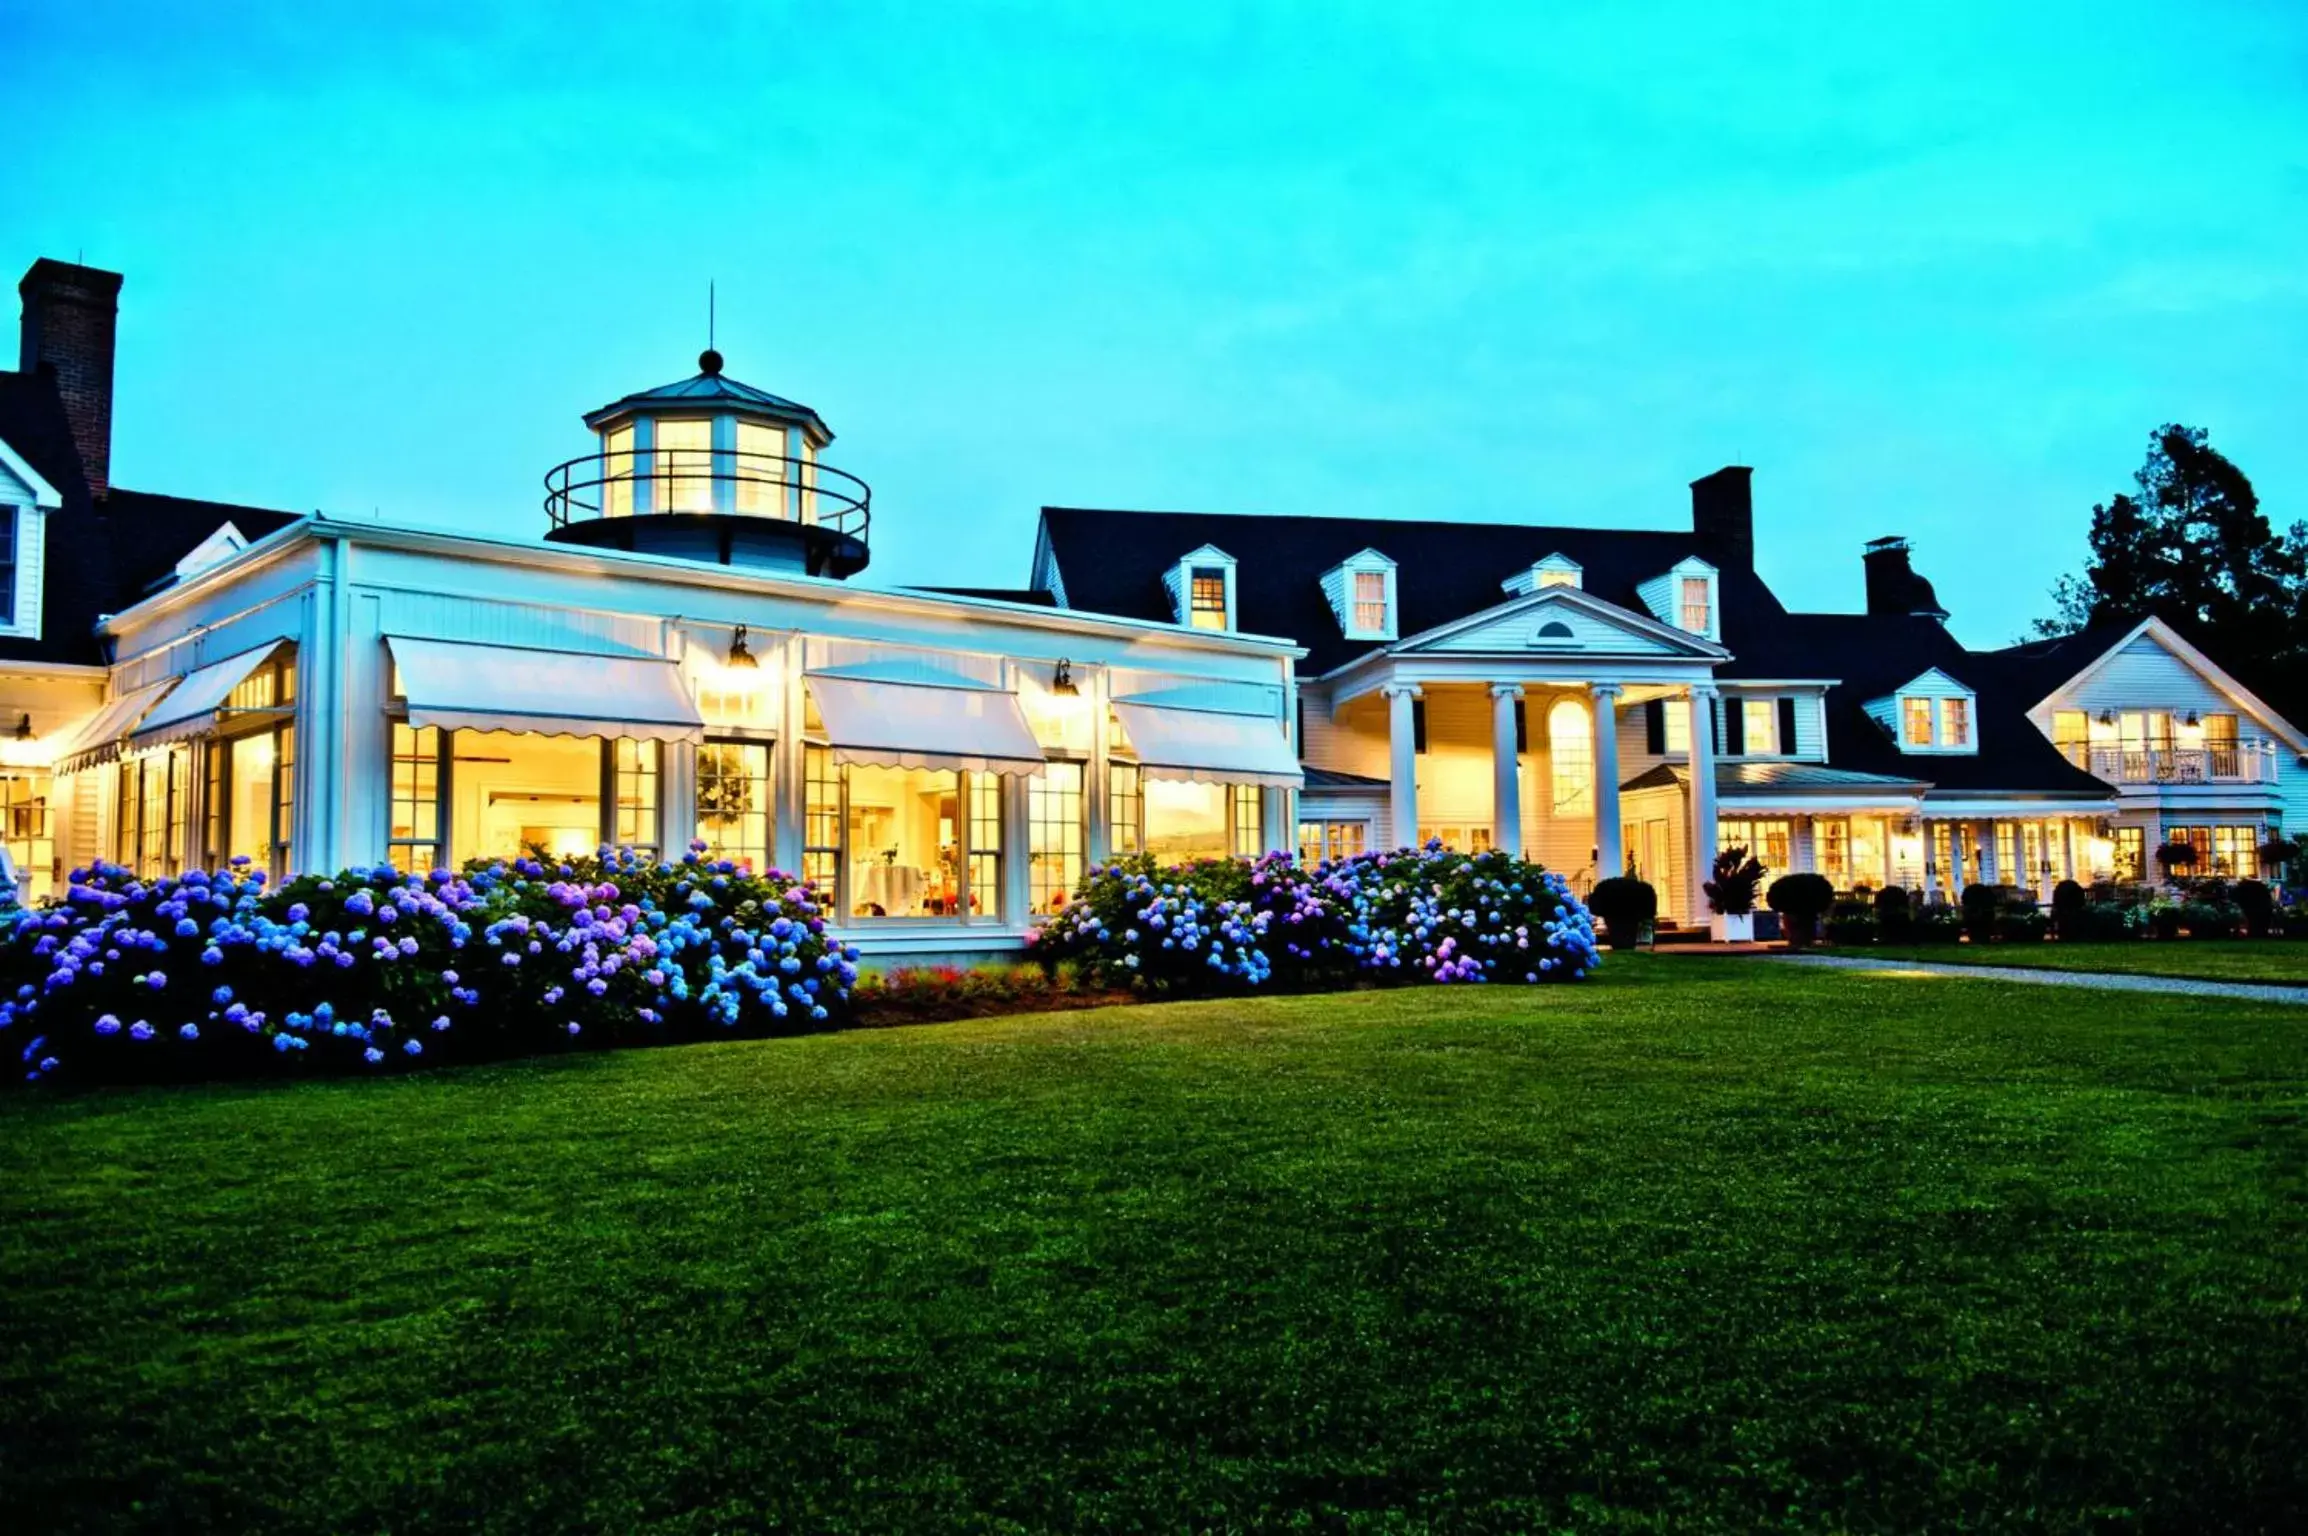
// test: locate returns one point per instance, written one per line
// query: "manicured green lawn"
(2280, 961)
(1707, 1244)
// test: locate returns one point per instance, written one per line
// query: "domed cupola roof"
(712, 390)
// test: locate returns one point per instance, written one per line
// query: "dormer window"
(1370, 605)
(1557, 570)
(1698, 605)
(1686, 597)
(1202, 589)
(1206, 605)
(1931, 713)
(1361, 591)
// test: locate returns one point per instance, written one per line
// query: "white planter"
(1731, 927)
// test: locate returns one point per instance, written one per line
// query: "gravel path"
(2243, 991)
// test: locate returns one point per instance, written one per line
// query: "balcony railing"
(706, 483)
(2251, 762)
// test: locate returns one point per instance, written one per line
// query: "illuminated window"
(685, 465)
(1571, 757)
(1955, 722)
(1125, 810)
(1831, 849)
(415, 835)
(1760, 721)
(1698, 611)
(733, 809)
(250, 799)
(1246, 820)
(985, 844)
(820, 820)
(904, 842)
(2236, 852)
(617, 470)
(2132, 853)
(1370, 602)
(1185, 821)
(1677, 715)
(1206, 600)
(1559, 578)
(633, 783)
(28, 827)
(1055, 834)
(1915, 722)
(1767, 841)
(2071, 733)
(761, 470)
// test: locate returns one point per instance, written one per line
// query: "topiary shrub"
(2209, 919)
(2068, 903)
(1894, 914)
(1627, 906)
(2022, 924)
(1981, 904)
(1801, 900)
(1851, 922)
(2257, 903)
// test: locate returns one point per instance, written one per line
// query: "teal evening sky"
(1931, 269)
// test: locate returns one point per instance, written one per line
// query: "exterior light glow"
(24, 727)
(1062, 680)
(739, 656)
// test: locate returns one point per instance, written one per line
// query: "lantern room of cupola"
(714, 470)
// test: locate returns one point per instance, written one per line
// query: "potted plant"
(1627, 906)
(1731, 896)
(2176, 859)
(1801, 901)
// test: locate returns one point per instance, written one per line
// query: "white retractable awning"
(918, 725)
(100, 739)
(191, 709)
(464, 687)
(1209, 746)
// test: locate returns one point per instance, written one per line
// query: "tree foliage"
(2190, 544)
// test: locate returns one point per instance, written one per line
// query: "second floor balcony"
(729, 505)
(2162, 766)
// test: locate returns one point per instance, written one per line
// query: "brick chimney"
(1723, 516)
(1893, 585)
(70, 313)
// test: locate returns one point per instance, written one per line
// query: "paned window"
(1571, 757)
(249, 808)
(685, 465)
(8, 520)
(415, 830)
(1125, 810)
(633, 781)
(1831, 849)
(1677, 715)
(617, 472)
(1056, 834)
(2236, 852)
(1761, 726)
(1770, 842)
(2131, 853)
(985, 844)
(733, 808)
(28, 827)
(1370, 602)
(1955, 722)
(1246, 820)
(761, 470)
(1698, 612)
(1206, 598)
(820, 820)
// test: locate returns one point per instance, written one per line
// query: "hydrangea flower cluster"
(212, 974)
(1423, 915)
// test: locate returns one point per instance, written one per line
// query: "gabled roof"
(102, 554)
(1112, 562)
(715, 390)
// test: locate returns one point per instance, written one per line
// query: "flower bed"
(1421, 915)
(213, 975)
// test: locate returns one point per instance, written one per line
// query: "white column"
(1931, 870)
(1610, 855)
(1402, 747)
(1506, 771)
(1702, 796)
(1990, 870)
(2068, 844)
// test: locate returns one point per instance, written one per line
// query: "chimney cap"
(48, 272)
(1888, 541)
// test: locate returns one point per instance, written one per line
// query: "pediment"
(1565, 621)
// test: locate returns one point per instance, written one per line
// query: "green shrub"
(2257, 903)
(1982, 904)
(1851, 922)
(1938, 923)
(1894, 914)
(2068, 903)
(2104, 922)
(1627, 906)
(2210, 919)
(2022, 925)
(1801, 900)
(2163, 920)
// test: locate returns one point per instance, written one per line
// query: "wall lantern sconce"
(24, 727)
(1062, 677)
(2191, 722)
(739, 656)
(2107, 717)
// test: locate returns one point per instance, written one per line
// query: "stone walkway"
(2242, 991)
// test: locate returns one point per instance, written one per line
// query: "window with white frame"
(1370, 602)
(1571, 756)
(1698, 607)
(1760, 727)
(1915, 722)
(10, 518)
(1206, 598)
(1955, 722)
(1677, 716)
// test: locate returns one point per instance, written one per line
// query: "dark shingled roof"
(103, 554)
(1331, 778)
(1026, 595)
(1113, 562)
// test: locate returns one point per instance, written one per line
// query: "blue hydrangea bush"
(214, 975)
(1411, 916)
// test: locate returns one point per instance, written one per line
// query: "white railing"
(2251, 762)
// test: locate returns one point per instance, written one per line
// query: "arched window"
(1571, 753)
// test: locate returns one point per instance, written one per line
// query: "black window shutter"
(1418, 725)
(1787, 727)
(1522, 728)
(1655, 727)
(1734, 728)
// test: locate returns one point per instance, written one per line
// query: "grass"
(2280, 962)
(1704, 1245)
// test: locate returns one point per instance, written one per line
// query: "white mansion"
(685, 654)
